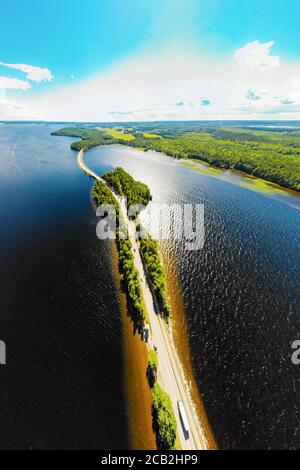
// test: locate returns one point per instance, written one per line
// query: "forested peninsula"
(268, 154)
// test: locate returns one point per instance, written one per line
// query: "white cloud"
(256, 55)
(14, 110)
(144, 87)
(148, 87)
(36, 74)
(13, 84)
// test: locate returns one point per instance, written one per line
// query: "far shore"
(273, 161)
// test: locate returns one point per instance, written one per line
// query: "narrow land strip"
(170, 369)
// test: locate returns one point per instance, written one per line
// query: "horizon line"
(24, 121)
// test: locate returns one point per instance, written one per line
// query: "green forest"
(103, 195)
(152, 367)
(124, 185)
(271, 161)
(164, 419)
(139, 193)
(129, 274)
(136, 192)
(273, 155)
(150, 256)
(91, 137)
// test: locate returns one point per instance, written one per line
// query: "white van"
(183, 419)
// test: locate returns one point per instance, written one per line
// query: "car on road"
(183, 419)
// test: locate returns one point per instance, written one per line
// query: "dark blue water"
(63, 384)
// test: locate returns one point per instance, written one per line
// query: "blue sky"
(85, 44)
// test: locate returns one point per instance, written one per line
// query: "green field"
(118, 134)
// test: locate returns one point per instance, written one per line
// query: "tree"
(164, 420)
(152, 367)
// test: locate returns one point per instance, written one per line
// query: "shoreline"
(253, 183)
(215, 171)
(280, 180)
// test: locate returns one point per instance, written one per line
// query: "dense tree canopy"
(103, 195)
(278, 162)
(273, 156)
(91, 137)
(130, 276)
(124, 185)
(150, 255)
(152, 367)
(137, 193)
(164, 419)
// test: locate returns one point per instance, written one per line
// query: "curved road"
(170, 374)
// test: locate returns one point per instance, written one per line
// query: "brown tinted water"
(180, 335)
(137, 390)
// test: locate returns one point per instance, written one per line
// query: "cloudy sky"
(129, 60)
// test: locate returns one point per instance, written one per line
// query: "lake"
(63, 385)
